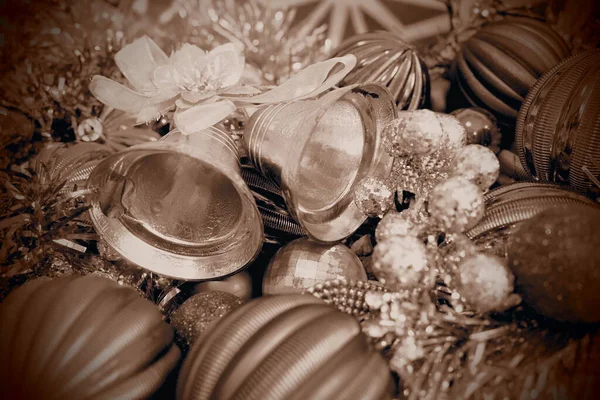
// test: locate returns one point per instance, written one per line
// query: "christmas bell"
(178, 207)
(319, 150)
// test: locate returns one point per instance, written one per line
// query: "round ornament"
(498, 65)
(400, 262)
(397, 224)
(197, 313)
(239, 285)
(556, 262)
(385, 58)
(303, 263)
(415, 133)
(284, 347)
(373, 197)
(481, 127)
(478, 164)
(82, 337)
(485, 282)
(558, 134)
(456, 204)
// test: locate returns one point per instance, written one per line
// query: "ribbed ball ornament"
(81, 338)
(385, 58)
(498, 65)
(558, 129)
(284, 347)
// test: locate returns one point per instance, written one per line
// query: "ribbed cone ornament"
(284, 347)
(319, 150)
(558, 129)
(178, 207)
(498, 65)
(82, 338)
(385, 58)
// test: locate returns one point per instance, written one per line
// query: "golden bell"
(318, 151)
(178, 207)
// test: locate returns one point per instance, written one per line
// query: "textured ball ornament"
(373, 197)
(558, 129)
(82, 337)
(284, 347)
(485, 282)
(303, 263)
(413, 133)
(385, 58)
(498, 65)
(401, 263)
(478, 164)
(456, 204)
(481, 127)
(396, 224)
(554, 257)
(198, 312)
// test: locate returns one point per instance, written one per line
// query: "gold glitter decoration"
(347, 296)
(401, 262)
(373, 197)
(456, 204)
(197, 313)
(413, 133)
(556, 262)
(478, 164)
(397, 224)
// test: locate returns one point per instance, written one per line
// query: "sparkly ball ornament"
(373, 197)
(413, 133)
(198, 312)
(456, 204)
(485, 282)
(396, 224)
(478, 164)
(481, 127)
(401, 262)
(556, 262)
(303, 263)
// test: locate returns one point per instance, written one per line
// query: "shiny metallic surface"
(558, 134)
(385, 58)
(511, 204)
(178, 207)
(318, 151)
(284, 347)
(303, 263)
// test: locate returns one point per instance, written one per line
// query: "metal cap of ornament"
(178, 207)
(319, 150)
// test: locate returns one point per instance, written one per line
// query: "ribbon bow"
(205, 87)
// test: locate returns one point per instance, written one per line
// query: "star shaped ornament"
(350, 17)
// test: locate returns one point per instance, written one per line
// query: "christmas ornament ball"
(554, 257)
(498, 65)
(284, 347)
(485, 282)
(413, 133)
(481, 127)
(82, 337)
(197, 314)
(373, 197)
(400, 262)
(456, 204)
(396, 224)
(304, 263)
(478, 164)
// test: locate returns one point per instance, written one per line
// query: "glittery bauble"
(413, 133)
(481, 127)
(396, 224)
(239, 284)
(401, 262)
(373, 197)
(303, 263)
(198, 312)
(556, 262)
(485, 282)
(456, 204)
(454, 134)
(478, 164)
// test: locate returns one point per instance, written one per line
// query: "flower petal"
(196, 97)
(153, 112)
(203, 116)
(117, 96)
(309, 82)
(240, 90)
(138, 60)
(225, 64)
